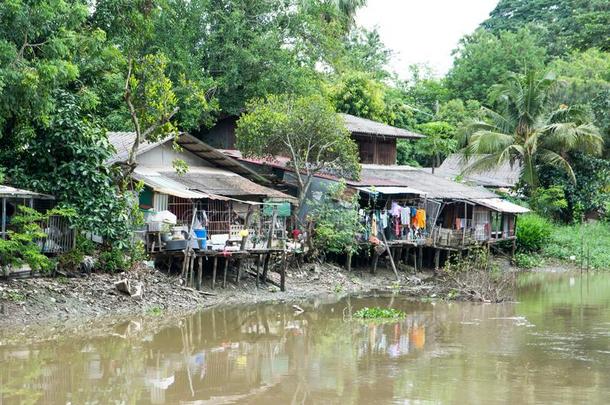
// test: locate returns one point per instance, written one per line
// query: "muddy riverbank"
(73, 302)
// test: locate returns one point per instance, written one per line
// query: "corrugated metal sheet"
(161, 183)
(223, 182)
(504, 175)
(357, 125)
(12, 192)
(123, 142)
(406, 176)
(391, 190)
(498, 204)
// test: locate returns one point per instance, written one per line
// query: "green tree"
(586, 77)
(357, 93)
(439, 142)
(565, 24)
(484, 59)
(306, 130)
(526, 128)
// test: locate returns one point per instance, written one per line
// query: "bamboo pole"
(387, 247)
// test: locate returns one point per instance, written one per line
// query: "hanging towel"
(384, 219)
(405, 215)
(397, 227)
(421, 218)
(395, 209)
(413, 211)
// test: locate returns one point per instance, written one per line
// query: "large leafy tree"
(306, 130)
(565, 25)
(526, 127)
(484, 59)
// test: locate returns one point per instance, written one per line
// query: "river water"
(553, 346)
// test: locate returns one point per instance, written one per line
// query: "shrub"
(527, 260)
(336, 222)
(549, 202)
(533, 232)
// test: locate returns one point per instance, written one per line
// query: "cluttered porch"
(221, 236)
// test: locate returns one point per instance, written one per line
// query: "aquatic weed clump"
(377, 313)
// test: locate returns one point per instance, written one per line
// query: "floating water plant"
(379, 313)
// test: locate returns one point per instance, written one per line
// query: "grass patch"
(15, 296)
(565, 241)
(528, 260)
(155, 311)
(377, 313)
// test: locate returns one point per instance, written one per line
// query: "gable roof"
(504, 175)
(123, 141)
(363, 126)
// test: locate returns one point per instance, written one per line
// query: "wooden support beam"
(375, 261)
(387, 247)
(199, 272)
(224, 273)
(215, 266)
(420, 257)
(258, 269)
(437, 259)
(283, 272)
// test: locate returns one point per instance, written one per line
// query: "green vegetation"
(69, 72)
(586, 242)
(377, 313)
(23, 245)
(533, 232)
(155, 311)
(336, 222)
(306, 130)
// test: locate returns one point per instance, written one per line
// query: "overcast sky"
(423, 31)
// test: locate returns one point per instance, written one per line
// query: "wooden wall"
(376, 150)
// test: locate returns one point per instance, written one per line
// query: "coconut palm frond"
(489, 142)
(589, 139)
(555, 159)
(483, 163)
(559, 136)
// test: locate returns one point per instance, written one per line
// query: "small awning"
(389, 190)
(12, 192)
(162, 184)
(498, 204)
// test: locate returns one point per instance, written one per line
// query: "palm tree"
(528, 129)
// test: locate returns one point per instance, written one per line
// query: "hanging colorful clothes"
(395, 209)
(405, 215)
(384, 219)
(420, 216)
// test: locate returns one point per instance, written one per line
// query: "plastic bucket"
(201, 233)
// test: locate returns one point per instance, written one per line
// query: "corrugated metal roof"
(223, 182)
(161, 183)
(504, 175)
(391, 190)
(12, 192)
(357, 125)
(123, 142)
(406, 176)
(498, 204)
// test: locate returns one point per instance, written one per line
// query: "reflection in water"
(554, 346)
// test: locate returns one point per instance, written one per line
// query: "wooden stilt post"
(283, 273)
(437, 259)
(258, 269)
(215, 266)
(415, 260)
(420, 257)
(199, 271)
(224, 272)
(375, 260)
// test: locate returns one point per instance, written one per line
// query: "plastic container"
(201, 233)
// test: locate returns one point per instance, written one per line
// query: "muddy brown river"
(553, 346)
